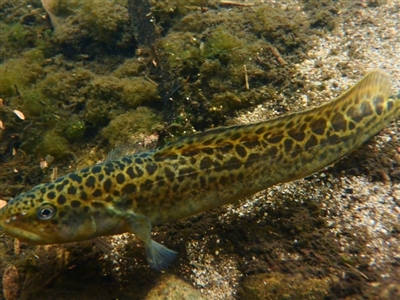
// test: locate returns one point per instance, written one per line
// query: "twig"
(233, 3)
(278, 56)
(152, 81)
(356, 270)
(246, 77)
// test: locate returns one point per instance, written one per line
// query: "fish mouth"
(25, 235)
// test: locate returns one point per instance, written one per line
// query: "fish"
(198, 172)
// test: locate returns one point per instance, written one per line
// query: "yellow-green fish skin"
(198, 172)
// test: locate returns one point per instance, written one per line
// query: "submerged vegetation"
(84, 68)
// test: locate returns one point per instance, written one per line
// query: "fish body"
(198, 172)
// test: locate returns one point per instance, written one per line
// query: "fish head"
(36, 218)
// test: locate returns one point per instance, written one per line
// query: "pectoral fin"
(158, 256)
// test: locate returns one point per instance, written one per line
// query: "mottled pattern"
(200, 171)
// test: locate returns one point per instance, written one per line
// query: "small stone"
(171, 287)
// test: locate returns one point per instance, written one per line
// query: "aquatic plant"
(124, 128)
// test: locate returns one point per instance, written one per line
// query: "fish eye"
(46, 211)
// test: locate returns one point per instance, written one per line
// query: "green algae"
(281, 286)
(17, 35)
(18, 73)
(66, 8)
(125, 128)
(66, 85)
(224, 67)
(34, 55)
(183, 50)
(104, 27)
(207, 52)
(107, 88)
(97, 112)
(34, 103)
(322, 14)
(52, 143)
(221, 45)
(105, 19)
(139, 91)
(129, 68)
(168, 11)
(74, 129)
(21, 30)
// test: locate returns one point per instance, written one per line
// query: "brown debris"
(48, 6)
(11, 287)
(2, 203)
